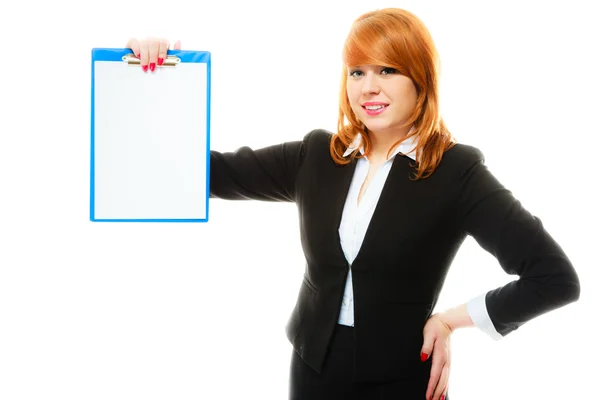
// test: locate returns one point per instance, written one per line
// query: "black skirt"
(336, 380)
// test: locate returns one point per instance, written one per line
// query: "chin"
(377, 127)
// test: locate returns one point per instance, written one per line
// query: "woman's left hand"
(436, 338)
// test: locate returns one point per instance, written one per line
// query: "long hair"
(395, 38)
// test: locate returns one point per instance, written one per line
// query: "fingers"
(151, 51)
(163, 46)
(144, 53)
(442, 384)
(440, 366)
(134, 45)
(438, 383)
(434, 382)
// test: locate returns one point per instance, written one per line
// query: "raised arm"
(266, 174)
(522, 246)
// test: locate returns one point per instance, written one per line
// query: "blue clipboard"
(150, 138)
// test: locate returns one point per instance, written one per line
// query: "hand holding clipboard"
(150, 169)
(151, 51)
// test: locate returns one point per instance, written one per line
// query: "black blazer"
(415, 233)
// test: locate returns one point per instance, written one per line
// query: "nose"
(370, 84)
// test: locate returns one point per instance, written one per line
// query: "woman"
(384, 204)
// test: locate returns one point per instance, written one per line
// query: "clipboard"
(150, 138)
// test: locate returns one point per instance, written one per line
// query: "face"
(381, 98)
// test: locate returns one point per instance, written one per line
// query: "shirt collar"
(404, 147)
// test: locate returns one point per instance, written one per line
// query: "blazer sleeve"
(267, 174)
(522, 246)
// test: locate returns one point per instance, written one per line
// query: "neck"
(381, 141)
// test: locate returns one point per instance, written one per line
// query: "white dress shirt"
(355, 220)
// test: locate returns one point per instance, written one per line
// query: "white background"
(188, 311)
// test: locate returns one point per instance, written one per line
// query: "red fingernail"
(423, 357)
(138, 55)
(443, 397)
(145, 68)
(152, 66)
(161, 61)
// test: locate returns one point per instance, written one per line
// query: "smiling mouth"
(375, 108)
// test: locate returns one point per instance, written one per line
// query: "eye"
(388, 71)
(355, 73)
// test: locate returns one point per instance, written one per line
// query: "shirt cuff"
(478, 312)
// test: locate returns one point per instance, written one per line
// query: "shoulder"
(317, 142)
(464, 155)
(318, 136)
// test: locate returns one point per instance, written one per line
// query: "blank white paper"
(150, 141)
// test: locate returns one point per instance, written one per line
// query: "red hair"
(398, 39)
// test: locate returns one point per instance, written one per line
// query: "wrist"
(457, 317)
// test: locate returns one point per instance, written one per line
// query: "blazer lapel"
(337, 190)
(393, 201)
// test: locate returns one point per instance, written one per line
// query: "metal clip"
(170, 61)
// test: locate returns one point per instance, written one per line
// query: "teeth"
(374, 107)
